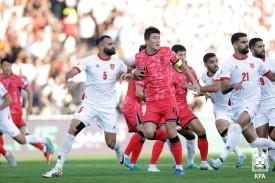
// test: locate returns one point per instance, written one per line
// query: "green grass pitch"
(101, 169)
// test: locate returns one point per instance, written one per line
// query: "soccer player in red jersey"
(189, 135)
(188, 120)
(160, 99)
(132, 111)
(14, 84)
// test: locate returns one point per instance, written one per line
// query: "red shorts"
(186, 116)
(132, 119)
(156, 110)
(17, 120)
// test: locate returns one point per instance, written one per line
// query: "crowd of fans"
(45, 38)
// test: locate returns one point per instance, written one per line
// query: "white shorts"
(251, 107)
(106, 118)
(7, 126)
(264, 116)
(225, 114)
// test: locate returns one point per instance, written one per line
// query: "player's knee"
(201, 132)
(149, 134)
(20, 139)
(111, 143)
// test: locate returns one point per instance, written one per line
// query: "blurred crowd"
(45, 38)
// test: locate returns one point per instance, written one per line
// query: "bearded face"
(244, 50)
(109, 52)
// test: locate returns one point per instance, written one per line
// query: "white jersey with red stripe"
(100, 87)
(268, 87)
(248, 71)
(219, 100)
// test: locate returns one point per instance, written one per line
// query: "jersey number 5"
(104, 75)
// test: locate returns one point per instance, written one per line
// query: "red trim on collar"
(240, 58)
(104, 59)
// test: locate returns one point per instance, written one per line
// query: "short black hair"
(207, 56)
(6, 59)
(236, 36)
(177, 47)
(149, 31)
(101, 38)
(253, 41)
(141, 47)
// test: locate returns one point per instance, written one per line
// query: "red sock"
(133, 143)
(160, 135)
(2, 150)
(203, 147)
(1, 140)
(156, 151)
(38, 146)
(136, 152)
(176, 150)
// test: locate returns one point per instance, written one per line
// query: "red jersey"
(14, 84)
(177, 79)
(156, 82)
(132, 103)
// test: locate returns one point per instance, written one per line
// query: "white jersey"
(100, 87)
(248, 71)
(267, 87)
(3, 92)
(219, 100)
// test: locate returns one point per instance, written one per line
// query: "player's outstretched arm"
(30, 100)
(211, 88)
(181, 65)
(226, 87)
(70, 84)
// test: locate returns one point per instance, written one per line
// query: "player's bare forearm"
(226, 89)
(188, 73)
(29, 95)
(211, 88)
(71, 74)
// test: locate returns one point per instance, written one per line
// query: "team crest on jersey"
(161, 59)
(112, 66)
(251, 65)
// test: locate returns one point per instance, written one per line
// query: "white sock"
(236, 150)
(152, 166)
(119, 151)
(232, 141)
(117, 146)
(224, 139)
(262, 142)
(30, 139)
(64, 150)
(190, 145)
(179, 167)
